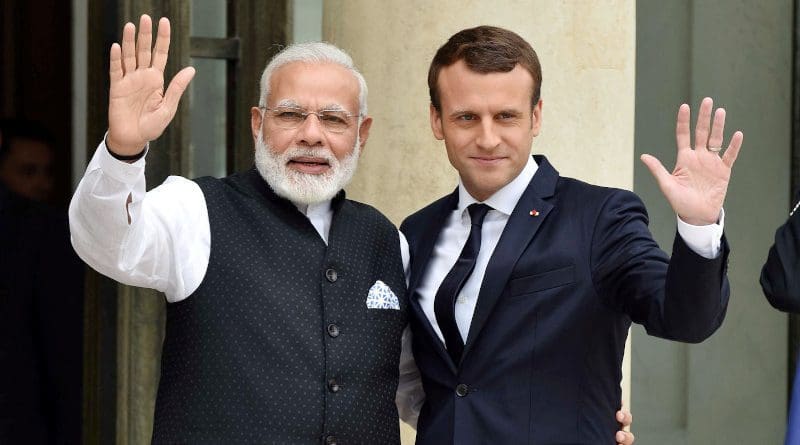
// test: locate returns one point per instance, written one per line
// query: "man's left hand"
(697, 186)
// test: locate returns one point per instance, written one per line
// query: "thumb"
(657, 170)
(177, 86)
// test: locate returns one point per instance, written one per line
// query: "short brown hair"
(485, 49)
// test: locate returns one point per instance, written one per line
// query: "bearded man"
(287, 301)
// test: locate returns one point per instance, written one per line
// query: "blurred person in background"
(41, 298)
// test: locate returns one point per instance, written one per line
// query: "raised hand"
(697, 186)
(138, 108)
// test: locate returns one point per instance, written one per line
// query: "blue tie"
(444, 304)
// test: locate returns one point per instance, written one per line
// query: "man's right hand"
(138, 108)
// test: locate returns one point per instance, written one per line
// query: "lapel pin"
(534, 212)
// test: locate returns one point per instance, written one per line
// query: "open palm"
(138, 108)
(697, 186)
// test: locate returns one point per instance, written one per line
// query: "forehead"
(461, 88)
(28, 150)
(314, 85)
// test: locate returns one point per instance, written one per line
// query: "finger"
(703, 120)
(682, 128)
(176, 88)
(717, 129)
(732, 152)
(128, 48)
(161, 49)
(145, 40)
(624, 438)
(625, 418)
(115, 63)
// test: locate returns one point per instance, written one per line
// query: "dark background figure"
(41, 295)
(780, 281)
(780, 276)
(26, 159)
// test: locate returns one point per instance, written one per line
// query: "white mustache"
(321, 153)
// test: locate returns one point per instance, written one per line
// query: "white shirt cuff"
(128, 173)
(705, 241)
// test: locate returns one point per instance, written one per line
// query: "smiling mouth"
(487, 160)
(308, 164)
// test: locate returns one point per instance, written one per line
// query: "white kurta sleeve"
(158, 239)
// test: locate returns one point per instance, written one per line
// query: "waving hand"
(697, 186)
(138, 108)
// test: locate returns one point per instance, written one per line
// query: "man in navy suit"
(524, 283)
(780, 281)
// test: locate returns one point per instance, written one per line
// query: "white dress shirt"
(162, 240)
(703, 240)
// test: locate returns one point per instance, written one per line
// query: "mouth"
(309, 165)
(488, 160)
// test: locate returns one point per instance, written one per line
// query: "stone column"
(587, 51)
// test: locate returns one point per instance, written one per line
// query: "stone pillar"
(587, 51)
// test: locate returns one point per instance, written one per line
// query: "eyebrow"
(290, 103)
(512, 111)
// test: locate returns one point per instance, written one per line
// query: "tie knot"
(477, 212)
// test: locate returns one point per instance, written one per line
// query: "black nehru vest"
(277, 345)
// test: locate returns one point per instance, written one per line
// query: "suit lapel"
(517, 235)
(419, 263)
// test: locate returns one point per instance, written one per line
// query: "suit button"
(331, 275)
(333, 386)
(462, 390)
(333, 330)
(330, 440)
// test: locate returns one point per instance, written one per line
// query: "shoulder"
(574, 192)
(363, 210)
(418, 220)
(241, 183)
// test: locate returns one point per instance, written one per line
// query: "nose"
(488, 138)
(310, 131)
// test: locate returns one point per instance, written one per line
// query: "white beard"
(303, 188)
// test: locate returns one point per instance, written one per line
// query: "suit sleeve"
(780, 276)
(683, 298)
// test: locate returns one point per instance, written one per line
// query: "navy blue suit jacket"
(542, 361)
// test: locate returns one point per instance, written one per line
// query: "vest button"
(462, 390)
(333, 386)
(333, 330)
(330, 440)
(331, 275)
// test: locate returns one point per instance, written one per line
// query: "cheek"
(342, 147)
(277, 142)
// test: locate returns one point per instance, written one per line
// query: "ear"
(536, 118)
(363, 131)
(436, 123)
(256, 119)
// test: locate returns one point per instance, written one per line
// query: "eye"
(289, 115)
(334, 118)
(506, 116)
(466, 117)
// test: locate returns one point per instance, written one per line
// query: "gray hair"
(313, 52)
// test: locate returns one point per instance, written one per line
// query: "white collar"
(316, 209)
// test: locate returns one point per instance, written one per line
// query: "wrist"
(126, 154)
(695, 221)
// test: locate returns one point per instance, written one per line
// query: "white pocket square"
(380, 296)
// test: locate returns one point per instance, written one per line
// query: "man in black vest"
(287, 300)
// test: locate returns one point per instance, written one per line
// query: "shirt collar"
(316, 209)
(505, 199)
